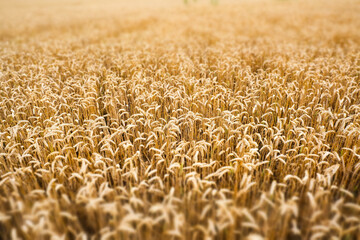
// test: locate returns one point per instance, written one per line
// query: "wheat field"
(180, 119)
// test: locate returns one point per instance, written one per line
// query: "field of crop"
(172, 120)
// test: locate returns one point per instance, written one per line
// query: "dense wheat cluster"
(164, 120)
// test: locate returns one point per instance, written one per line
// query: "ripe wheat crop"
(164, 120)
